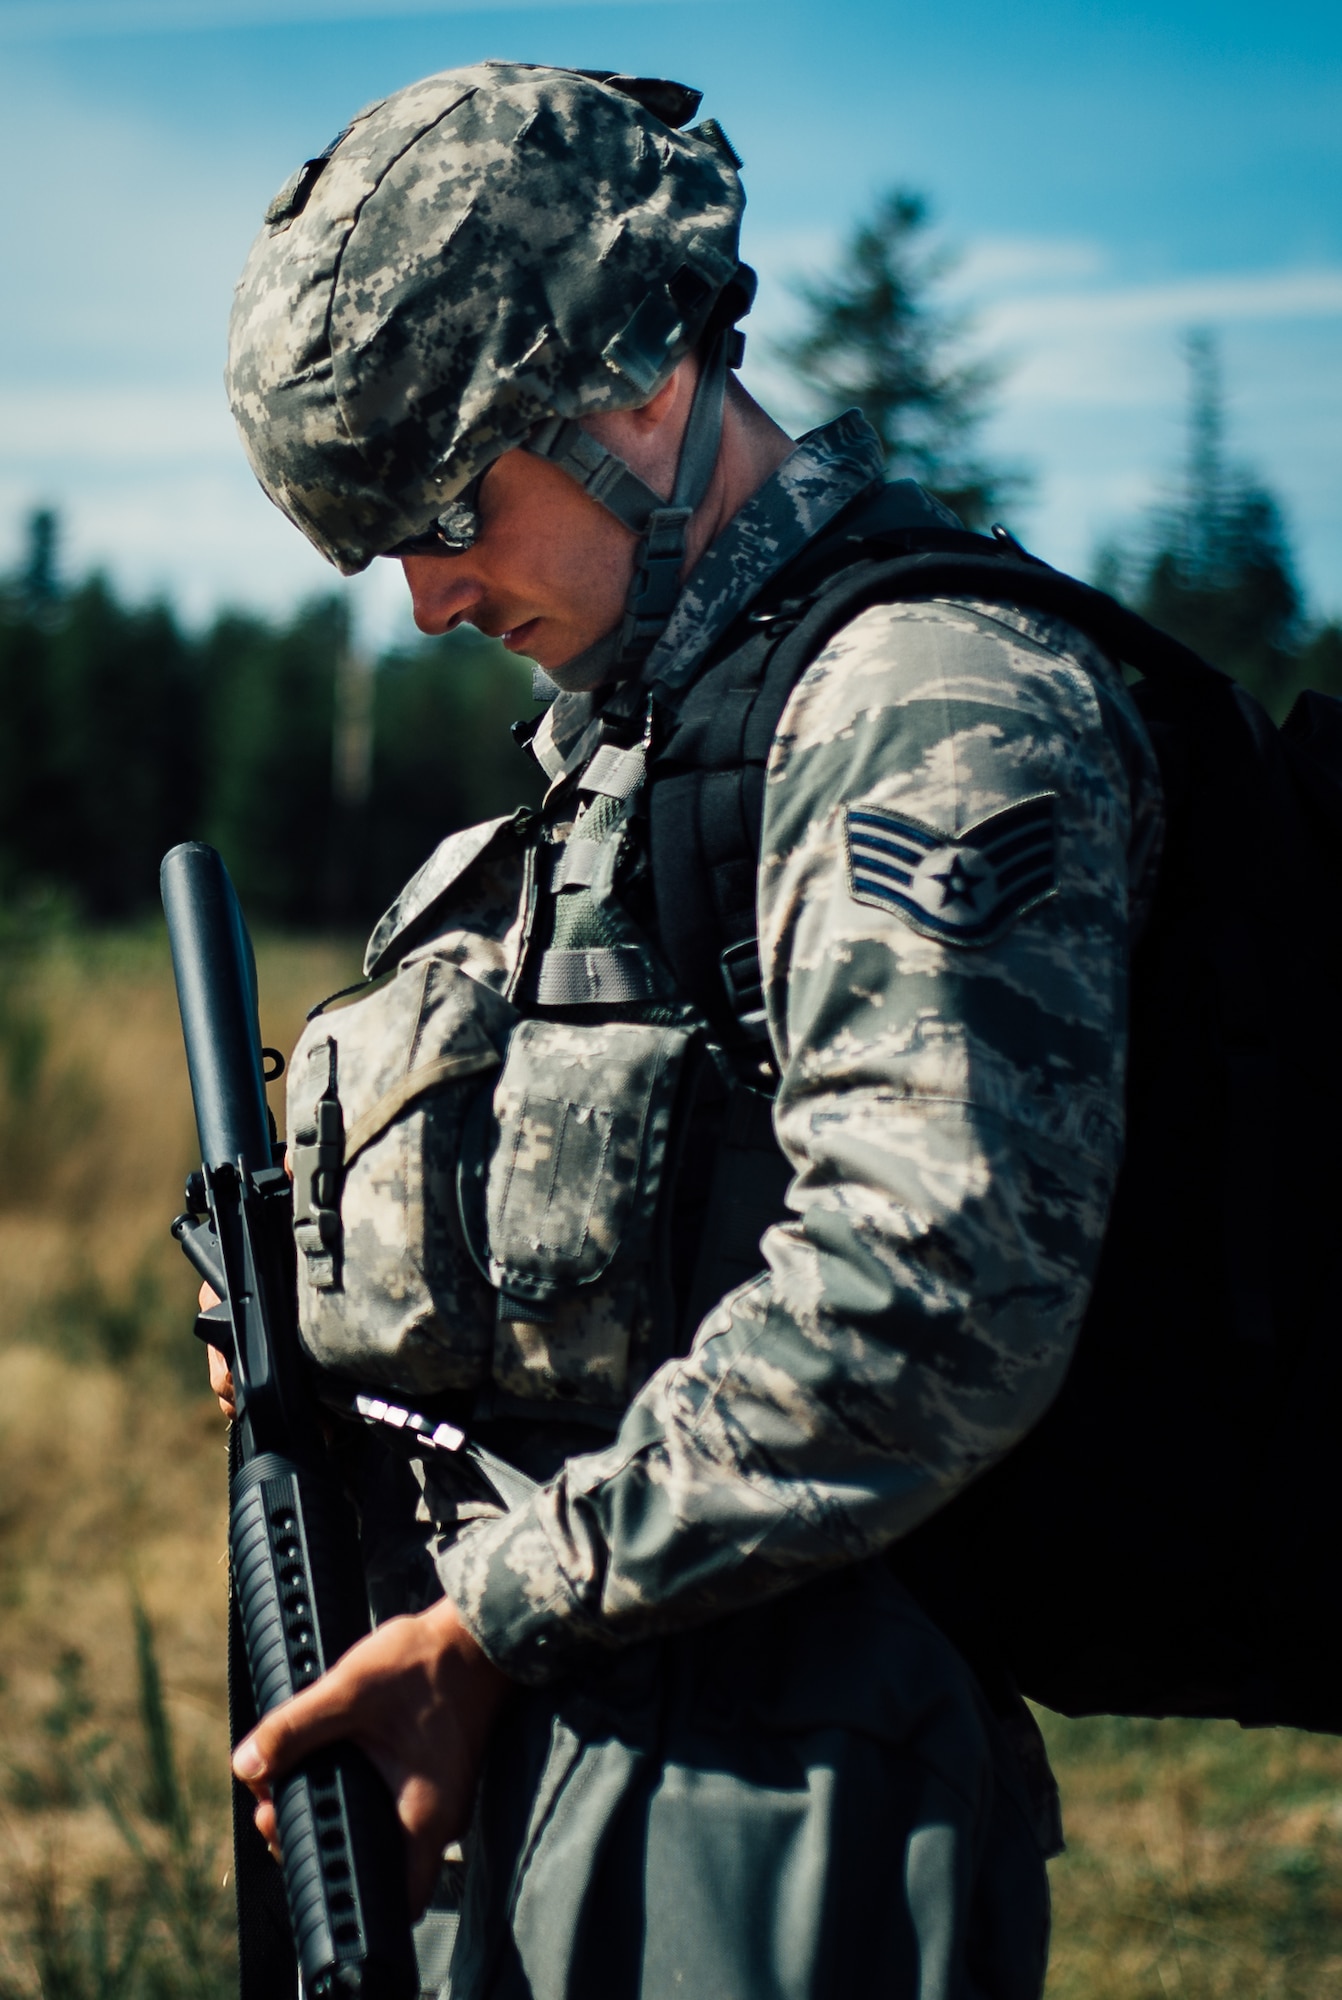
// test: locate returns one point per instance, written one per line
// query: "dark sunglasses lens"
(427, 544)
(459, 524)
(457, 528)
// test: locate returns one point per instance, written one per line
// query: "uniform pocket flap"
(417, 1082)
(378, 1094)
(575, 1157)
(428, 1027)
(423, 898)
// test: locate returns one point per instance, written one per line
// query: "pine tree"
(99, 750)
(1214, 563)
(875, 335)
(39, 579)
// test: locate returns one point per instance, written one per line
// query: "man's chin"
(592, 668)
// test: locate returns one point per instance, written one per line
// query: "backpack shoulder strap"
(989, 571)
(707, 802)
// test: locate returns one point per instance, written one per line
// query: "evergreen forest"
(323, 777)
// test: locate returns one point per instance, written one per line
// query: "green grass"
(114, 1837)
(1203, 1861)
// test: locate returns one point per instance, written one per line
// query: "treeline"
(323, 779)
(1212, 563)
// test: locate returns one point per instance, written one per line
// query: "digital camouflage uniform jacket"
(953, 1111)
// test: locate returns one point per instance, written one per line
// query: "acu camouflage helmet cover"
(488, 248)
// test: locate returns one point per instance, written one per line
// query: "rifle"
(293, 1547)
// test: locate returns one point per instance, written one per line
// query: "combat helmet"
(474, 264)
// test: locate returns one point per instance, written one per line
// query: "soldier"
(705, 1737)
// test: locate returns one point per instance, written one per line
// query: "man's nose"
(442, 591)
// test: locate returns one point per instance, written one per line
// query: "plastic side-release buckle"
(744, 982)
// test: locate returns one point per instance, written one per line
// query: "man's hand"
(221, 1375)
(420, 1697)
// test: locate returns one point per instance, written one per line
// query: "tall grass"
(114, 1839)
(161, 1923)
(1203, 1862)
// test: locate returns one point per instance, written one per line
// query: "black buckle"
(744, 982)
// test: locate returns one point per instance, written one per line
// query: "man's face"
(548, 575)
(551, 570)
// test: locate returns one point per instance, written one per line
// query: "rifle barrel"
(215, 971)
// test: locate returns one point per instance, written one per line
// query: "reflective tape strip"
(609, 973)
(614, 772)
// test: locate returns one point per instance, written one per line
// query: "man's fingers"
(426, 1837)
(420, 1697)
(221, 1380)
(268, 1826)
(291, 1732)
(221, 1375)
(427, 1831)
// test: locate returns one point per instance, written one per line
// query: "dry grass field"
(1203, 1861)
(113, 1804)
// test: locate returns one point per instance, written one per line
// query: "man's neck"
(752, 449)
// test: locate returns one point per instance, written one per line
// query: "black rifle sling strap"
(267, 1962)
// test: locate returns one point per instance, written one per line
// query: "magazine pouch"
(378, 1094)
(561, 1189)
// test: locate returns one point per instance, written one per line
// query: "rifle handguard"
(293, 1550)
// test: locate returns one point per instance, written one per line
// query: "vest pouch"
(561, 1196)
(378, 1094)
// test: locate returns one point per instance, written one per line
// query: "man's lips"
(517, 637)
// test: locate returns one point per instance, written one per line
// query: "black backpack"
(1166, 1541)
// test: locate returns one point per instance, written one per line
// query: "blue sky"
(1113, 175)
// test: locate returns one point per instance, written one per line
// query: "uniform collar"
(824, 471)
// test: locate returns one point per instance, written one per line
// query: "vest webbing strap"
(416, 1083)
(613, 974)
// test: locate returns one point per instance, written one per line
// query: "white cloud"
(993, 262)
(1099, 410)
(1213, 299)
(116, 425)
(1093, 394)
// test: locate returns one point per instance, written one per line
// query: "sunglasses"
(456, 529)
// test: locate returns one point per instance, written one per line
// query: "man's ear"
(648, 438)
(675, 392)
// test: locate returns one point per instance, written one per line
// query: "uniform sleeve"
(951, 1101)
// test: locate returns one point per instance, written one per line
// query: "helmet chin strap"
(660, 524)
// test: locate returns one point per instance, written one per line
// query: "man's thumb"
(248, 1763)
(304, 1723)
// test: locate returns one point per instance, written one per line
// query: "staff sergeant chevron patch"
(965, 888)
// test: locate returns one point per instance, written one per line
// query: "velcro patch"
(963, 889)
